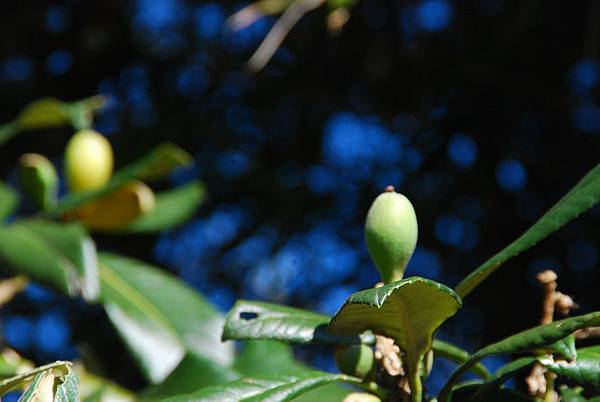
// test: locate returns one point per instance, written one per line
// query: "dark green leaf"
(161, 161)
(172, 208)
(535, 338)
(7, 131)
(9, 201)
(565, 347)
(160, 318)
(458, 355)
(408, 311)
(259, 320)
(486, 391)
(582, 197)
(585, 371)
(63, 256)
(463, 392)
(271, 388)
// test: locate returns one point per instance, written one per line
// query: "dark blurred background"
(483, 112)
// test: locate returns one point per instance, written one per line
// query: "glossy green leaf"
(259, 320)
(565, 348)
(584, 371)
(458, 355)
(61, 255)
(160, 318)
(271, 388)
(172, 208)
(531, 339)
(16, 381)
(408, 311)
(158, 163)
(7, 131)
(486, 391)
(9, 201)
(582, 197)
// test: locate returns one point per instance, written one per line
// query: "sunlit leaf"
(17, 381)
(61, 255)
(160, 318)
(43, 113)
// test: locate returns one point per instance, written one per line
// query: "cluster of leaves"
(177, 337)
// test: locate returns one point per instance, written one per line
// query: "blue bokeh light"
(434, 15)
(511, 175)
(449, 230)
(18, 332)
(16, 68)
(584, 76)
(582, 256)
(208, 20)
(426, 263)
(58, 19)
(52, 333)
(59, 62)
(462, 150)
(586, 117)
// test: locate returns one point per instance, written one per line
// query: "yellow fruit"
(88, 161)
(391, 232)
(118, 209)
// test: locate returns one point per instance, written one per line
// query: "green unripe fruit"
(38, 180)
(391, 232)
(356, 360)
(361, 397)
(88, 161)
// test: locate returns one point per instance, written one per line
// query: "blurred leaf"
(487, 391)
(93, 388)
(272, 388)
(7, 131)
(260, 320)
(458, 355)
(172, 208)
(14, 382)
(62, 255)
(158, 163)
(579, 199)
(418, 307)
(570, 395)
(534, 338)
(118, 209)
(160, 318)
(12, 363)
(585, 371)
(190, 375)
(9, 201)
(43, 113)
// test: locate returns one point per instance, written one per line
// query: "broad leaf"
(408, 311)
(158, 163)
(172, 208)
(16, 381)
(565, 347)
(458, 355)
(531, 339)
(43, 113)
(582, 197)
(9, 201)
(58, 384)
(585, 371)
(260, 320)
(272, 388)
(160, 318)
(63, 256)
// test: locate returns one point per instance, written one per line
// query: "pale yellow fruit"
(88, 161)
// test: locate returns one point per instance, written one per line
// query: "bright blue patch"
(462, 150)
(434, 15)
(511, 175)
(18, 332)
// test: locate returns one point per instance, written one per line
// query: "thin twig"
(277, 34)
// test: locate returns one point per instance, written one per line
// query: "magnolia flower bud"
(88, 161)
(391, 232)
(38, 180)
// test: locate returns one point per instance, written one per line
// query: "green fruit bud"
(88, 161)
(38, 180)
(361, 397)
(391, 232)
(356, 360)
